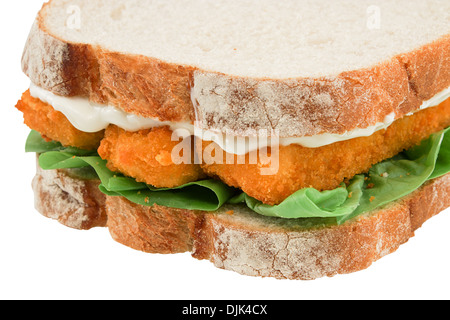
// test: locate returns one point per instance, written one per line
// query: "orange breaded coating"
(146, 155)
(53, 125)
(327, 167)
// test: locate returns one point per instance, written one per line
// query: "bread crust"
(74, 202)
(237, 239)
(274, 248)
(237, 105)
(153, 229)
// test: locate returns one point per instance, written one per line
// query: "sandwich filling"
(90, 117)
(326, 176)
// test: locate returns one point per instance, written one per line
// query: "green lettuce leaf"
(206, 195)
(310, 203)
(443, 161)
(386, 182)
(397, 177)
(35, 143)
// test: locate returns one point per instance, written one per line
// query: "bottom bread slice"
(65, 196)
(237, 239)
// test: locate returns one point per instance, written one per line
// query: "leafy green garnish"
(395, 178)
(310, 203)
(35, 143)
(386, 182)
(206, 195)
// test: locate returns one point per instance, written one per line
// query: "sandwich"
(294, 140)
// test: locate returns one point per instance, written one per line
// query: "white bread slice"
(74, 201)
(239, 240)
(299, 67)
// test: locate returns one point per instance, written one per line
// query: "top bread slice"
(298, 68)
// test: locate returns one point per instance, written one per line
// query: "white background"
(41, 259)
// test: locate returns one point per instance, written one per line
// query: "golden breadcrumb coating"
(327, 167)
(53, 125)
(146, 155)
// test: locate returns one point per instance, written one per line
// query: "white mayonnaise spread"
(87, 116)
